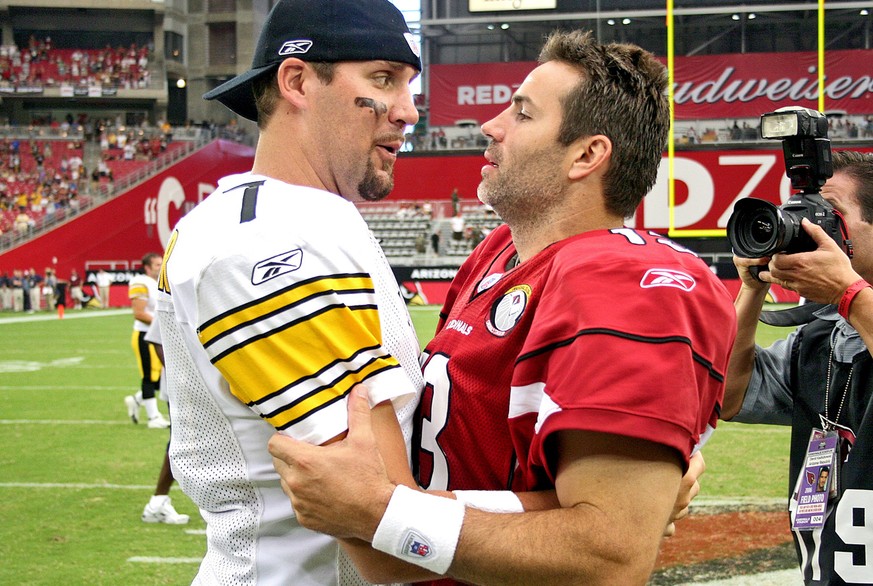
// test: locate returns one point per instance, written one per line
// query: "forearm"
(861, 316)
(380, 568)
(566, 546)
(748, 306)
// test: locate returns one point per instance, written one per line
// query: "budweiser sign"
(706, 87)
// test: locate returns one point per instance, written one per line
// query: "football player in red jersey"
(575, 357)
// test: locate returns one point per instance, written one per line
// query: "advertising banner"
(706, 87)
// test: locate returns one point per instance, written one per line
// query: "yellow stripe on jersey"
(243, 315)
(288, 362)
(137, 290)
(163, 282)
(313, 403)
(290, 354)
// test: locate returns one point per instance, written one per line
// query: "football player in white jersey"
(276, 299)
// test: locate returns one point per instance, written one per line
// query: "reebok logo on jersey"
(667, 278)
(297, 47)
(277, 266)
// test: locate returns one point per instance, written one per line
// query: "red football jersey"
(615, 331)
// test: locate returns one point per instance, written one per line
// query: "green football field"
(75, 473)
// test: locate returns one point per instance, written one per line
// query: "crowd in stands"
(38, 179)
(40, 64)
(44, 179)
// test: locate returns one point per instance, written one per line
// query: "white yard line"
(75, 485)
(157, 560)
(69, 314)
(62, 422)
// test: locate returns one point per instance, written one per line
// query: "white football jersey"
(143, 286)
(275, 300)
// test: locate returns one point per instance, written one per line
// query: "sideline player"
(143, 291)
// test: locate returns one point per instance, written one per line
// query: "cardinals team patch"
(507, 311)
(667, 278)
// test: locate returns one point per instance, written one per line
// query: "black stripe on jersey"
(327, 403)
(285, 326)
(329, 385)
(278, 310)
(283, 291)
(318, 374)
(249, 203)
(636, 338)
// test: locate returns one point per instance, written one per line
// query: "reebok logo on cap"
(295, 47)
(413, 45)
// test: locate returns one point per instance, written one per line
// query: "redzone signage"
(723, 87)
(708, 183)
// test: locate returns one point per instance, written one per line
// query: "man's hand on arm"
(350, 475)
(343, 488)
(689, 488)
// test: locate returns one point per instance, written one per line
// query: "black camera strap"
(793, 316)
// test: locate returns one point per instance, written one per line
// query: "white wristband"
(420, 528)
(492, 501)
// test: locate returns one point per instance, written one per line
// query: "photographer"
(821, 376)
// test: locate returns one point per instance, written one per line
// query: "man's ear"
(591, 154)
(291, 75)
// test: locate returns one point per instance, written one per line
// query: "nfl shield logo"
(416, 546)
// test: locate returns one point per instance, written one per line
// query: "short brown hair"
(149, 258)
(620, 94)
(266, 90)
(858, 166)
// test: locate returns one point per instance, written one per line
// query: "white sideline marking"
(156, 560)
(67, 315)
(30, 388)
(195, 531)
(62, 422)
(74, 485)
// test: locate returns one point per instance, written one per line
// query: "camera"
(759, 228)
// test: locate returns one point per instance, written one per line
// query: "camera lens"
(761, 230)
(758, 228)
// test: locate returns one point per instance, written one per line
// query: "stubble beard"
(522, 197)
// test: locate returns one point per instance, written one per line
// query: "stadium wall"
(115, 235)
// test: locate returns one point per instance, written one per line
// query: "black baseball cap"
(321, 30)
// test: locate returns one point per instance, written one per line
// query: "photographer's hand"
(748, 279)
(821, 275)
